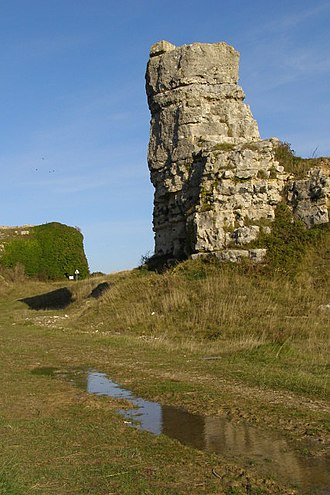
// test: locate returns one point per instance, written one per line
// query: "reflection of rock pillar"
(215, 438)
(186, 427)
(226, 438)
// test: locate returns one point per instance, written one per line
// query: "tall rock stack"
(216, 182)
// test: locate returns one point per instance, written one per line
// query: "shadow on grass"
(56, 299)
(99, 290)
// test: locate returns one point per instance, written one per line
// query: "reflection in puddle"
(146, 415)
(270, 453)
(219, 435)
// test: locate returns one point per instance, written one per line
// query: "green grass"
(8, 484)
(290, 241)
(245, 342)
(57, 439)
(294, 164)
(224, 147)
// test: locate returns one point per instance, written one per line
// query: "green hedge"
(289, 240)
(50, 251)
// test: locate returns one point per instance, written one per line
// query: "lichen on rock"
(216, 182)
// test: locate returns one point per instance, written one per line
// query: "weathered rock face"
(193, 96)
(309, 197)
(236, 199)
(216, 183)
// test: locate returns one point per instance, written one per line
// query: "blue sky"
(74, 122)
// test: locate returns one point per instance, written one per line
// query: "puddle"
(270, 453)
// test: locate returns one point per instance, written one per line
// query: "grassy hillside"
(269, 326)
(243, 342)
(269, 323)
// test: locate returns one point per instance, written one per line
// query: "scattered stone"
(325, 307)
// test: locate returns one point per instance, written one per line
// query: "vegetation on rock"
(292, 163)
(289, 240)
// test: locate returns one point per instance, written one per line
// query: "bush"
(289, 240)
(49, 252)
(293, 164)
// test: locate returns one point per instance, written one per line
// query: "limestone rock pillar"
(217, 184)
(194, 99)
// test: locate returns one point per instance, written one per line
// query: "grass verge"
(248, 344)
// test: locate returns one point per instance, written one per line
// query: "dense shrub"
(289, 240)
(293, 164)
(50, 251)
